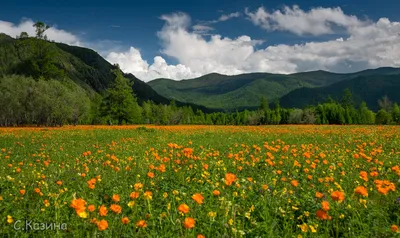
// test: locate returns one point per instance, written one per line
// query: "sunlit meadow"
(201, 181)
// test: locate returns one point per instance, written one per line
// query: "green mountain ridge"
(82, 65)
(244, 91)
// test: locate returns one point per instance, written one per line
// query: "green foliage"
(120, 104)
(25, 101)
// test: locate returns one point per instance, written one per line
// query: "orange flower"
(37, 190)
(134, 195)
(198, 198)
(141, 224)
(363, 191)
(319, 195)
(323, 215)
(79, 205)
(294, 183)
(216, 193)
(116, 198)
(394, 228)
(22, 191)
(337, 196)
(91, 208)
(115, 208)
(138, 186)
(325, 205)
(230, 178)
(59, 183)
(200, 236)
(183, 208)
(364, 175)
(125, 220)
(102, 225)
(189, 222)
(148, 195)
(150, 174)
(103, 211)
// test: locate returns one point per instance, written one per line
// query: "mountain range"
(212, 92)
(238, 92)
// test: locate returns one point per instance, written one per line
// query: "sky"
(187, 39)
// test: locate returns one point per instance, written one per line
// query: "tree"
(120, 104)
(40, 29)
(396, 113)
(23, 35)
(347, 99)
(385, 103)
(383, 117)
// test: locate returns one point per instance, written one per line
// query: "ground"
(195, 181)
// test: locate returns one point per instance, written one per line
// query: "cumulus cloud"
(132, 62)
(368, 45)
(26, 25)
(316, 21)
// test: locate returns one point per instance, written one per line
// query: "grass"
(235, 181)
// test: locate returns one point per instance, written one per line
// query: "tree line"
(56, 102)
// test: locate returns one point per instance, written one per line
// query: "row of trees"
(29, 101)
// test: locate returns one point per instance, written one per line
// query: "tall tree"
(385, 103)
(40, 29)
(120, 104)
(347, 99)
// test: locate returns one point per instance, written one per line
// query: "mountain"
(366, 87)
(84, 66)
(244, 91)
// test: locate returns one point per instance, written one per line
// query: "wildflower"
(103, 211)
(46, 203)
(200, 236)
(363, 191)
(116, 198)
(150, 174)
(303, 227)
(131, 204)
(102, 225)
(141, 224)
(183, 208)
(323, 215)
(116, 208)
(22, 191)
(294, 183)
(125, 220)
(319, 195)
(394, 228)
(230, 178)
(198, 198)
(312, 228)
(337, 196)
(325, 205)
(134, 195)
(212, 214)
(80, 206)
(189, 223)
(91, 208)
(138, 186)
(148, 195)
(216, 193)
(59, 183)
(9, 219)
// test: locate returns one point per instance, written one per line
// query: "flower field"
(200, 181)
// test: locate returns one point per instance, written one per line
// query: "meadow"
(200, 181)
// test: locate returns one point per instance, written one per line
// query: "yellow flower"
(9, 219)
(175, 192)
(82, 214)
(306, 214)
(313, 229)
(341, 216)
(303, 227)
(165, 195)
(212, 214)
(295, 208)
(230, 222)
(131, 204)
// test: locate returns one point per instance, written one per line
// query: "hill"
(369, 88)
(84, 66)
(244, 91)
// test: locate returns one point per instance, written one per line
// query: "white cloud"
(202, 29)
(368, 45)
(317, 21)
(132, 62)
(26, 25)
(225, 17)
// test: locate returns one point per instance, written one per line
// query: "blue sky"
(115, 26)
